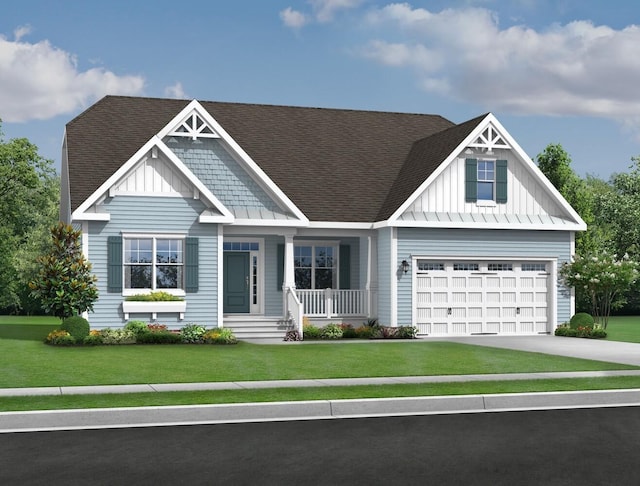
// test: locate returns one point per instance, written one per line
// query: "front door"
(236, 282)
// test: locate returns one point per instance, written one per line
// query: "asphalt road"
(556, 447)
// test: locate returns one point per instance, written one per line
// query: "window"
(153, 263)
(534, 267)
(315, 267)
(500, 267)
(424, 266)
(486, 179)
(466, 267)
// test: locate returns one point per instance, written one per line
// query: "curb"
(106, 418)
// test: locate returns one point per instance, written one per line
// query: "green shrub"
(158, 337)
(93, 339)
(406, 332)
(157, 296)
(117, 336)
(192, 333)
(77, 326)
(348, 332)
(310, 331)
(365, 332)
(331, 331)
(220, 336)
(384, 332)
(581, 319)
(136, 327)
(60, 337)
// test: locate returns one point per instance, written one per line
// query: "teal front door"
(236, 282)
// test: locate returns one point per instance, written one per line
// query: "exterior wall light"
(405, 266)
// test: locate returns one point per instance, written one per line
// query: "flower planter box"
(154, 308)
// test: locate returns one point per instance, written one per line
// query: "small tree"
(603, 278)
(65, 285)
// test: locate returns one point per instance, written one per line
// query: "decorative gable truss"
(520, 196)
(195, 123)
(153, 171)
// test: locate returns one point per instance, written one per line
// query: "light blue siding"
(273, 289)
(157, 215)
(384, 271)
(222, 175)
(480, 243)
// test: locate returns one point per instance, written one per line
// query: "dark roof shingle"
(335, 165)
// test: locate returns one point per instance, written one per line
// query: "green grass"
(624, 328)
(27, 327)
(321, 393)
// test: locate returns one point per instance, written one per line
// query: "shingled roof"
(335, 165)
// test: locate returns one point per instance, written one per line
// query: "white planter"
(154, 308)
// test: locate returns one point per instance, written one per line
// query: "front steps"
(247, 327)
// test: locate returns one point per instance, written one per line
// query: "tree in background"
(64, 284)
(29, 194)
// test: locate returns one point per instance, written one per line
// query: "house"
(259, 215)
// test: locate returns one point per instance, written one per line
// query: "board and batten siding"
(155, 215)
(525, 194)
(481, 244)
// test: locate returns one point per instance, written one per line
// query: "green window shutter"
(345, 267)
(471, 180)
(280, 267)
(114, 264)
(501, 181)
(191, 266)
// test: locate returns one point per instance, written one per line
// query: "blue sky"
(552, 71)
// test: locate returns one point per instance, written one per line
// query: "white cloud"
(39, 81)
(293, 18)
(21, 31)
(176, 91)
(573, 69)
(323, 11)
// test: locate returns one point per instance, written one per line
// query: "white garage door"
(481, 297)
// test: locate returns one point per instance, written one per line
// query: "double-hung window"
(153, 263)
(315, 267)
(486, 180)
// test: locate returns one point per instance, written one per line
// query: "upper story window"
(486, 180)
(315, 267)
(152, 263)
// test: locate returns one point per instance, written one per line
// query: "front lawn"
(624, 328)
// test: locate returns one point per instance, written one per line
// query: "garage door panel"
(482, 297)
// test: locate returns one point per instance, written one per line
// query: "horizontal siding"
(273, 290)
(131, 214)
(480, 244)
(384, 270)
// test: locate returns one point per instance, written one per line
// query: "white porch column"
(289, 280)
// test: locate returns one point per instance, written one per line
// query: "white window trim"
(336, 257)
(154, 236)
(486, 202)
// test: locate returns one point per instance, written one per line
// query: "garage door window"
(466, 267)
(500, 267)
(430, 266)
(534, 267)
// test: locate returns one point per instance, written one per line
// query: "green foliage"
(137, 327)
(589, 332)
(581, 319)
(192, 333)
(407, 332)
(77, 326)
(65, 284)
(60, 337)
(158, 337)
(366, 332)
(603, 278)
(93, 339)
(310, 331)
(29, 196)
(331, 331)
(220, 336)
(157, 296)
(348, 331)
(117, 336)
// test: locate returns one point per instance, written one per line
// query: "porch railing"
(333, 303)
(294, 309)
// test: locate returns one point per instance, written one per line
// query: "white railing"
(294, 309)
(333, 303)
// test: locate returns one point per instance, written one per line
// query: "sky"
(552, 71)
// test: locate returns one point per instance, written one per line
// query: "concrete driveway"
(596, 349)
